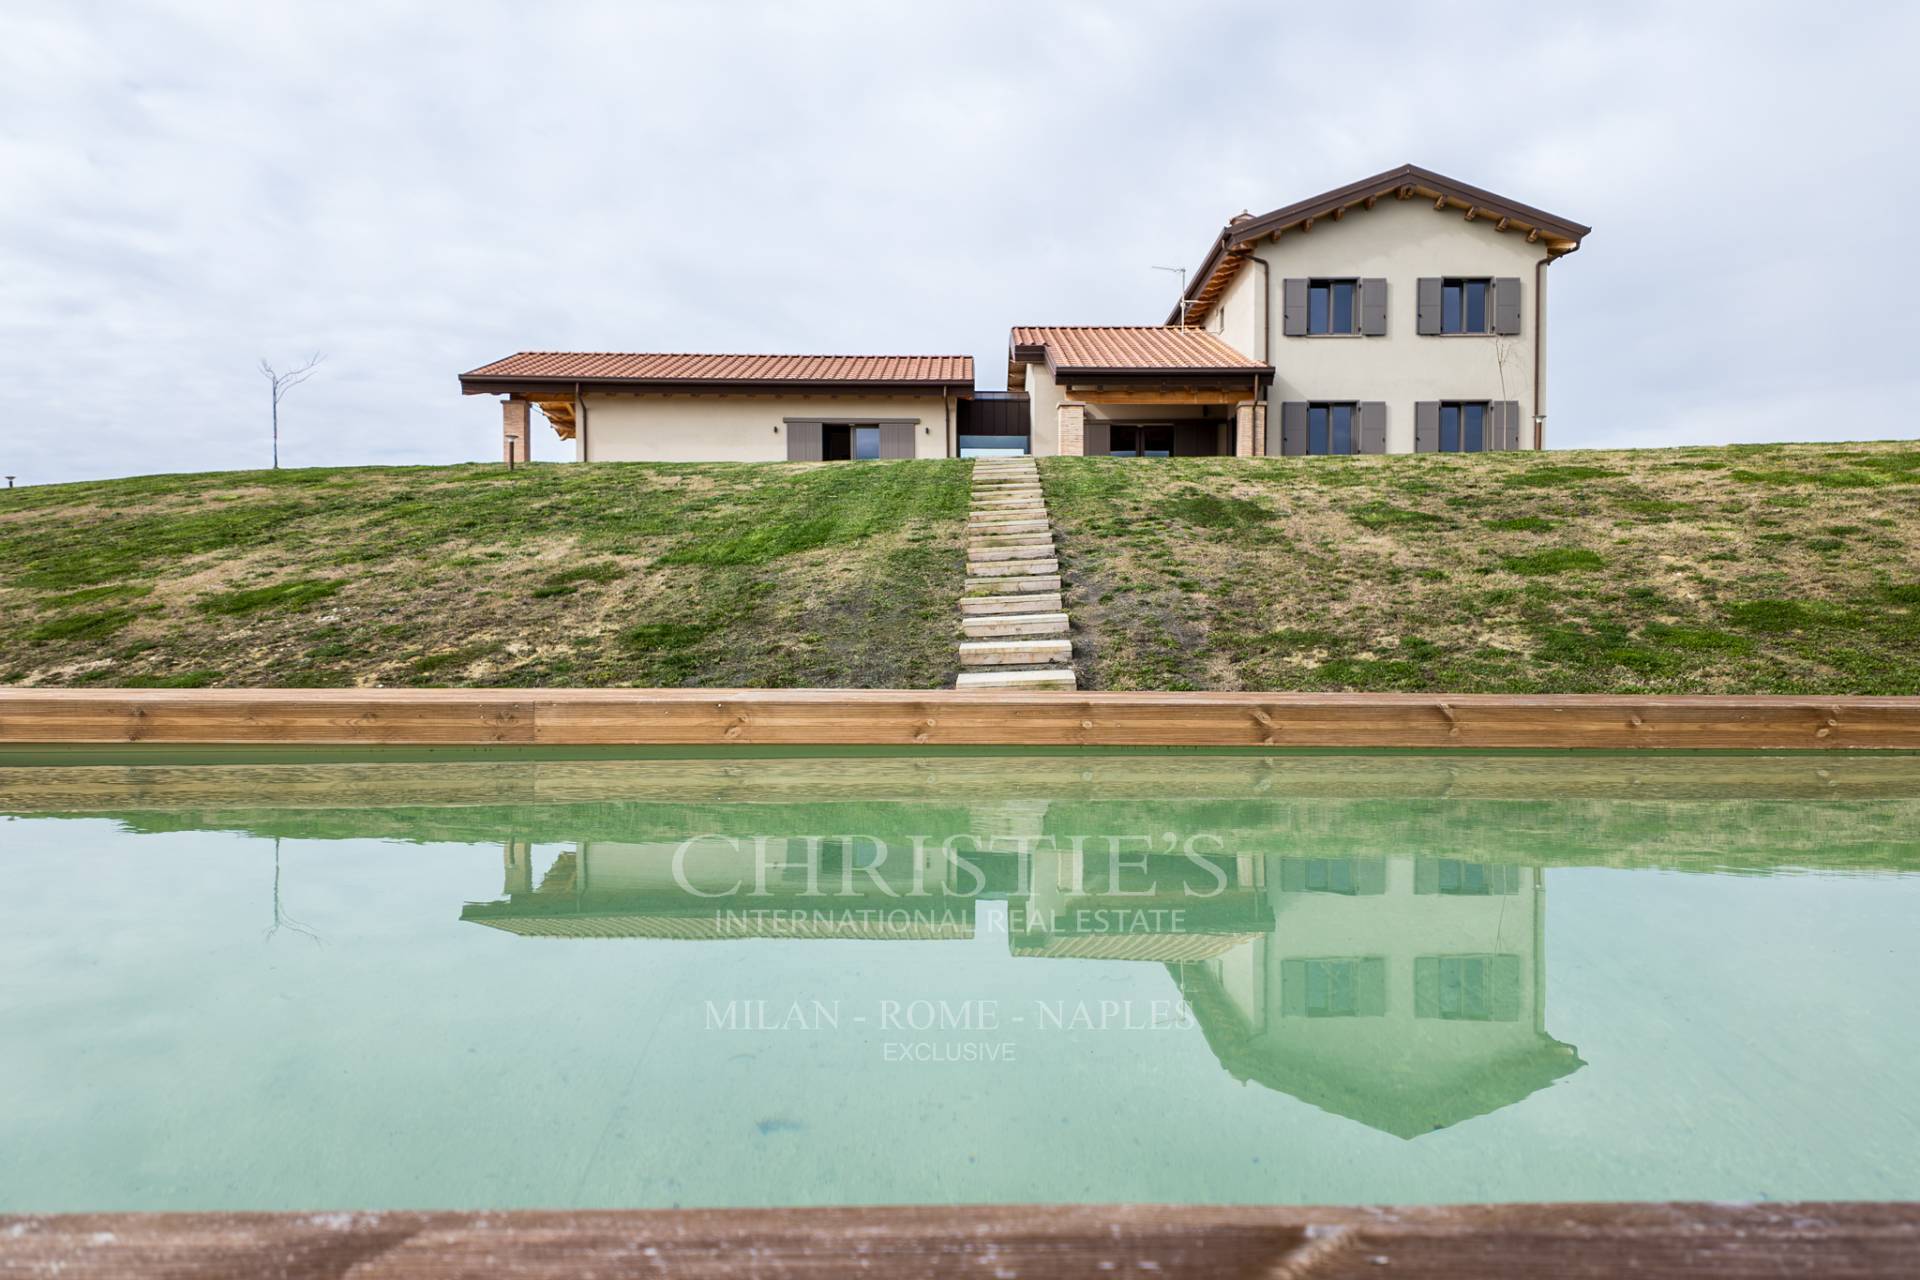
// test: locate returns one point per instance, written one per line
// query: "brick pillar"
(516, 441)
(518, 857)
(1073, 430)
(1249, 429)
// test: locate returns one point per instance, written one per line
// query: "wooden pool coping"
(911, 718)
(1167, 1241)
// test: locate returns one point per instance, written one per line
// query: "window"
(1463, 426)
(1467, 988)
(1463, 306)
(840, 441)
(1140, 440)
(1334, 988)
(1332, 306)
(1330, 427)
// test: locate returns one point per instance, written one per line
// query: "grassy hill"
(1764, 569)
(1754, 569)
(548, 575)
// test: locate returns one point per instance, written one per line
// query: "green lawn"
(615, 574)
(1789, 568)
(1754, 569)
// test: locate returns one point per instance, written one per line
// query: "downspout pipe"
(580, 405)
(1540, 347)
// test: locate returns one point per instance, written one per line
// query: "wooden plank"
(900, 717)
(1835, 1241)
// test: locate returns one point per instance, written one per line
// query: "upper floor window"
(1332, 306)
(1468, 304)
(1463, 305)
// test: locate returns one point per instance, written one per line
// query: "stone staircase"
(1012, 615)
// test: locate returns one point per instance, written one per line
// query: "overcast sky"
(415, 190)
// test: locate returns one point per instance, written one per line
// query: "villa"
(1403, 313)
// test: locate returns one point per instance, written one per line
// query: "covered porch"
(1139, 392)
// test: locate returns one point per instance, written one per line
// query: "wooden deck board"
(824, 717)
(1832, 1241)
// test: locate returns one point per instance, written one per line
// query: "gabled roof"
(1130, 349)
(665, 369)
(1408, 181)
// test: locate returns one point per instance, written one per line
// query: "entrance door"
(1141, 440)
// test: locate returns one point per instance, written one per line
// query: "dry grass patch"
(1787, 568)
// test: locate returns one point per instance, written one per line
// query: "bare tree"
(281, 920)
(283, 383)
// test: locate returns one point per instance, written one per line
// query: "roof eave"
(508, 384)
(1561, 235)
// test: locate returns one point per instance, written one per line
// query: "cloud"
(418, 189)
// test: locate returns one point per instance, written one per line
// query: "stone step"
(1018, 466)
(1012, 625)
(1000, 506)
(1013, 653)
(1025, 511)
(1012, 568)
(996, 527)
(982, 606)
(1005, 482)
(1039, 538)
(1060, 678)
(1013, 586)
(980, 555)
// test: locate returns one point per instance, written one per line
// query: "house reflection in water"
(1406, 993)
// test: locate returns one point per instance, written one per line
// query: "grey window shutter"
(1293, 308)
(1293, 428)
(1373, 427)
(1505, 1001)
(1512, 416)
(1428, 316)
(1506, 304)
(1496, 425)
(1097, 438)
(1293, 988)
(1293, 875)
(1373, 307)
(896, 439)
(1426, 986)
(1370, 875)
(1426, 426)
(804, 443)
(1370, 988)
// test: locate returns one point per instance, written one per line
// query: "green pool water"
(489, 981)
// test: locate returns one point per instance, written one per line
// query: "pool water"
(489, 981)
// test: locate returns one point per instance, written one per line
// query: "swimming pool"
(606, 979)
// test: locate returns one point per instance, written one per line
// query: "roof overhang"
(536, 388)
(1236, 240)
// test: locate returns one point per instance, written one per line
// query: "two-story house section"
(1406, 312)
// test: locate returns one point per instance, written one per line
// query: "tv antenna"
(1183, 290)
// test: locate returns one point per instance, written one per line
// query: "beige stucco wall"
(705, 428)
(1400, 240)
(1043, 402)
(1237, 318)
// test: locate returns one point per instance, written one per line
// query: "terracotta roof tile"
(702, 368)
(1130, 347)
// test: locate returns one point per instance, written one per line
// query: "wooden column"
(517, 857)
(516, 440)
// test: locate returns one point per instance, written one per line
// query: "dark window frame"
(1323, 300)
(1137, 433)
(1458, 409)
(1457, 298)
(1324, 410)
